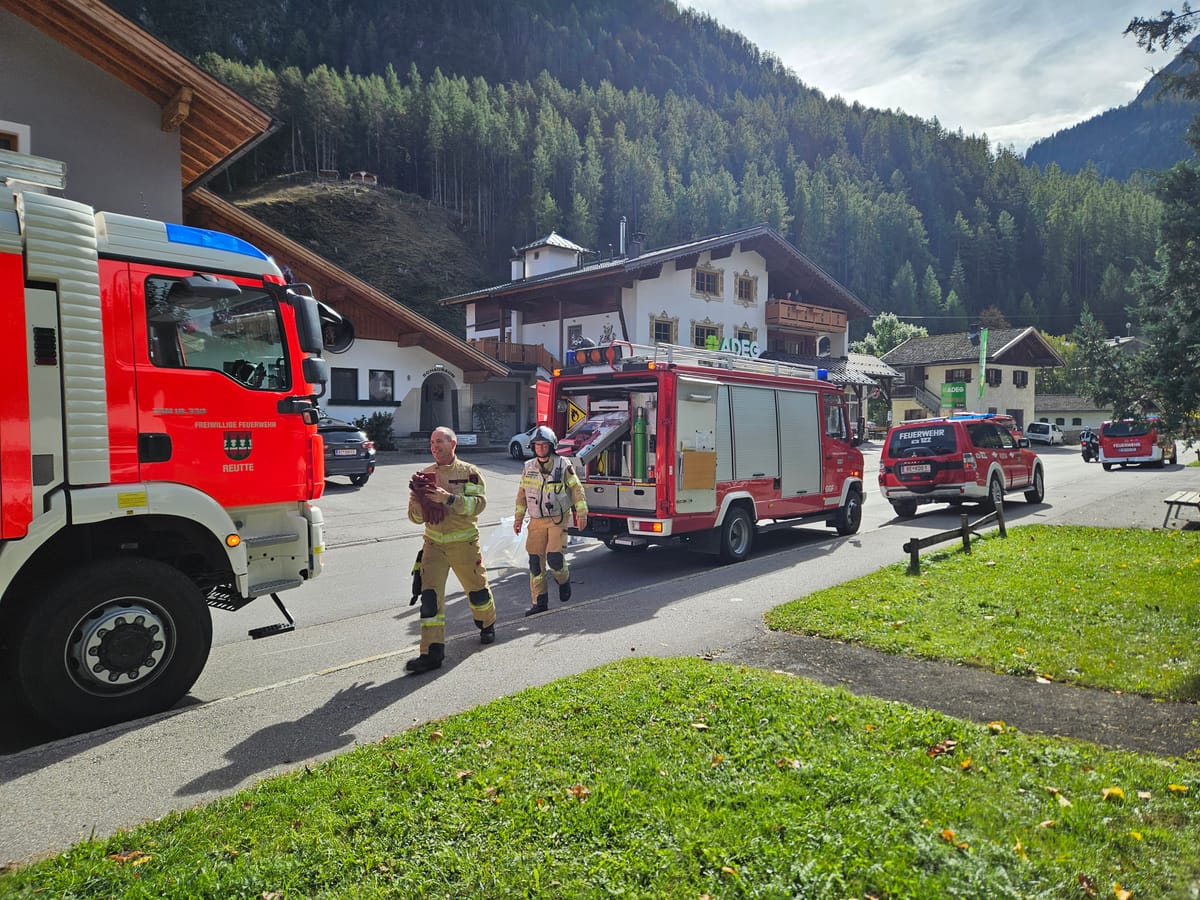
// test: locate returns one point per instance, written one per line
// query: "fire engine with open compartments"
(158, 447)
(708, 449)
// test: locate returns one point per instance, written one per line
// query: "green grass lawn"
(675, 778)
(685, 778)
(1111, 608)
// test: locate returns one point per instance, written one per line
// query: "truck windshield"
(937, 440)
(239, 335)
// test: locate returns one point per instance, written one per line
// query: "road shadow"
(326, 729)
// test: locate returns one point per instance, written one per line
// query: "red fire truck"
(158, 448)
(675, 444)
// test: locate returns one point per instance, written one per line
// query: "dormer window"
(14, 136)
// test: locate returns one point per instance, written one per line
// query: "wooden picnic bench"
(1177, 501)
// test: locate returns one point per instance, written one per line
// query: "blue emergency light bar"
(212, 240)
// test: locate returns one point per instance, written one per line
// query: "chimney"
(622, 241)
(518, 266)
(635, 245)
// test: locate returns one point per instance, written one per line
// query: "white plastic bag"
(503, 549)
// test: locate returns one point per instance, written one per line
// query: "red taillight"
(969, 461)
(368, 445)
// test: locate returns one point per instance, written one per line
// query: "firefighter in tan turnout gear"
(552, 495)
(448, 498)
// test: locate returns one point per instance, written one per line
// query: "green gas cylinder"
(639, 445)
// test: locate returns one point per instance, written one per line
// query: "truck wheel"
(1106, 466)
(1038, 491)
(113, 641)
(849, 515)
(905, 509)
(995, 494)
(737, 536)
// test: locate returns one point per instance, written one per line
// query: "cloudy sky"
(1015, 70)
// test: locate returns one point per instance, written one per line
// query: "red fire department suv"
(951, 460)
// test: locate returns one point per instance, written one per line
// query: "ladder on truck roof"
(28, 169)
(677, 354)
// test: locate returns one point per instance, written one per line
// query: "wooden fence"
(964, 532)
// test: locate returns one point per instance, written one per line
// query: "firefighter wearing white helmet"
(550, 492)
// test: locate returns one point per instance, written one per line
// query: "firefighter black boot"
(487, 635)
(564, 592)
(427, 662)
(543, 604)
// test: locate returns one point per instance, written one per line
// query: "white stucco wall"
(670, 295)
(110, 136)
(1003, 397)
(411, 367)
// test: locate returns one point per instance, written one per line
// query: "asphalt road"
(263, 707)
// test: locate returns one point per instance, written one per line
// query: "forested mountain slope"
(1144, 135)
(521, 116)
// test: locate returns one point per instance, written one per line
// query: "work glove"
(580, 520)
(423, 485)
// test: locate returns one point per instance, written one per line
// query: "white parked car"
(1044, 433)
(518, 444)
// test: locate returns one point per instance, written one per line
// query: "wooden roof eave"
(214, 212)
(213, 120)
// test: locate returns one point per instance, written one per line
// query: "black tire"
(905, 509)
(995, 495)
(1107, 467)
(1038, 491)
(849, 515)
(737, 536)
(359, 480)
(153, 612)
(515, 450)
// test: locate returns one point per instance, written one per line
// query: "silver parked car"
(518, 444)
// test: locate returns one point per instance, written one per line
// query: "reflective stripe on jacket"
(465, 482)
(549, 494)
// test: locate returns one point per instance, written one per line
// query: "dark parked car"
(348, 451)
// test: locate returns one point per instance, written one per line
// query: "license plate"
(345, 451)
(918, 469)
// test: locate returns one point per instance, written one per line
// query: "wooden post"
(914, 556)
(966, 533)
(1000, 519)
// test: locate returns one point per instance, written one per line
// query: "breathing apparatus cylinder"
(639, 445)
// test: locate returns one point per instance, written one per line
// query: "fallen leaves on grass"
(1113, 793)
(948, 837)
(946, 746)
(130, 857)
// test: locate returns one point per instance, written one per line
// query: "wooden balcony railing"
(802, 315)
(516, 354)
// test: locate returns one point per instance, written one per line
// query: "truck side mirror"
(308, 322)
(316, 370)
